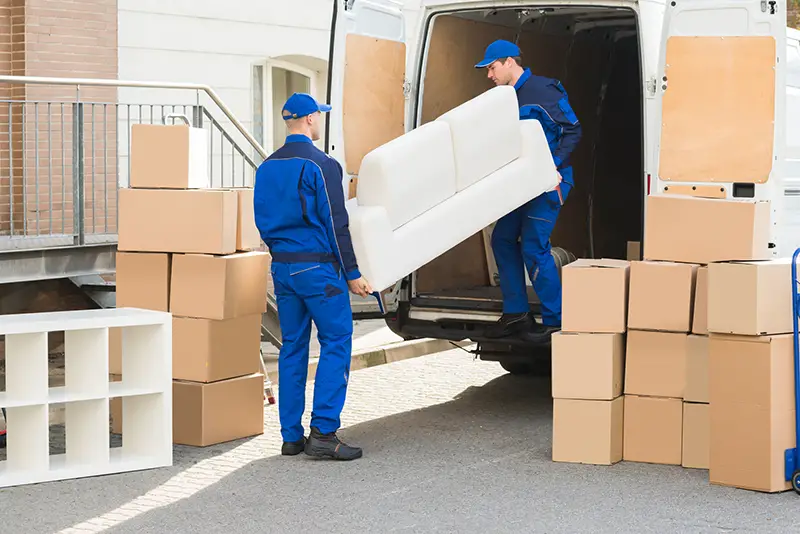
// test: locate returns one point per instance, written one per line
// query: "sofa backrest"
(410, 174)
(486, 134)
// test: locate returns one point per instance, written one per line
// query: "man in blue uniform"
(300, 212)
(545, 100)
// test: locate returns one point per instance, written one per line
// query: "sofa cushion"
(410, 174)
(485, 134)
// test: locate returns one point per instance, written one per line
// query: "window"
(258, 103)
(273, 82)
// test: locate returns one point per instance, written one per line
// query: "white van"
(665, 92)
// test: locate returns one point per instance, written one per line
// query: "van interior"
(595, 53)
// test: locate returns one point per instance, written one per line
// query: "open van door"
(367, 89)
(366, 79)
(721, 93)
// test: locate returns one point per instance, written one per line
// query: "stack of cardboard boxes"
(751, 373)
(588, 363)
(189, 249)
(709, 375)
(659, 322)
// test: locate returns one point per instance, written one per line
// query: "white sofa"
(428, 190)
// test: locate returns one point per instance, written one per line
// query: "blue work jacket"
(300, 207)
(545, 100)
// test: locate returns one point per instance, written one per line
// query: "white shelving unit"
(145, 389)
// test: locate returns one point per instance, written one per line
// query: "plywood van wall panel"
(373, 107)
(719, 109)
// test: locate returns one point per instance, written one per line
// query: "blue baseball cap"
(300, 105)
(498, 50)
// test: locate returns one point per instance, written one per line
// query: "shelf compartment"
(147, 425)
(27, 439)
(87, 433)
(26, 368)
(86, 361)
(143, 348)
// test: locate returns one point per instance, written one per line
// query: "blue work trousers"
(521, 240)
(312, 292)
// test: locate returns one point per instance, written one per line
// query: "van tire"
(516, 367)
(528, 367)
(561, 257)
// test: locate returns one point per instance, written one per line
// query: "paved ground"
(452, 445)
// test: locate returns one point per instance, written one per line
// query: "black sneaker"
(321, 445)
(510, 324)
(293, 448)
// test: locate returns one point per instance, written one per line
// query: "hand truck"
(792, 456)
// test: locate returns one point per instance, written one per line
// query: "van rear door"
(721, 99)
(366, 80)
(366, 88)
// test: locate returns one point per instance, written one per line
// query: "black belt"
(303, 257)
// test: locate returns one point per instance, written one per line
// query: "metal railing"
(62, 162)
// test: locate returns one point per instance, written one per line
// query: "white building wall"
(215, 42)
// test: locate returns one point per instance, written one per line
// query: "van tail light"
(648, 184)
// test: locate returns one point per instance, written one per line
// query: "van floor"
(485, 298)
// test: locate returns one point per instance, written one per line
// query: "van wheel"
(561, 257)
(516, 367)
(527, 367)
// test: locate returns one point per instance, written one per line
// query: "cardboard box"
(204, 350)
(587, 366)
(748, 444)
(752, 371)
(653, 430)
(661, 296)
(750, 298)
(219, 287)
(700, 314)
(634, 252)
(143, 280)
(587, 431)
(696, 370)
(207, 414)
(751, 389)
(655, 364)
(696, 432)
(201, 221)
(702, 230)
(595, 296)
(169, 157)
(247, 235)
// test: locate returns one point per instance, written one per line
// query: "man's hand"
(360, 287)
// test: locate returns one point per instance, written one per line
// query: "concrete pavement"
(451, 445)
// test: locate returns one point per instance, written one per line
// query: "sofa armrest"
(533, 139)
(373, 242)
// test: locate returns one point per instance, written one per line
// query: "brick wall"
(793, 14)
(57, 38)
